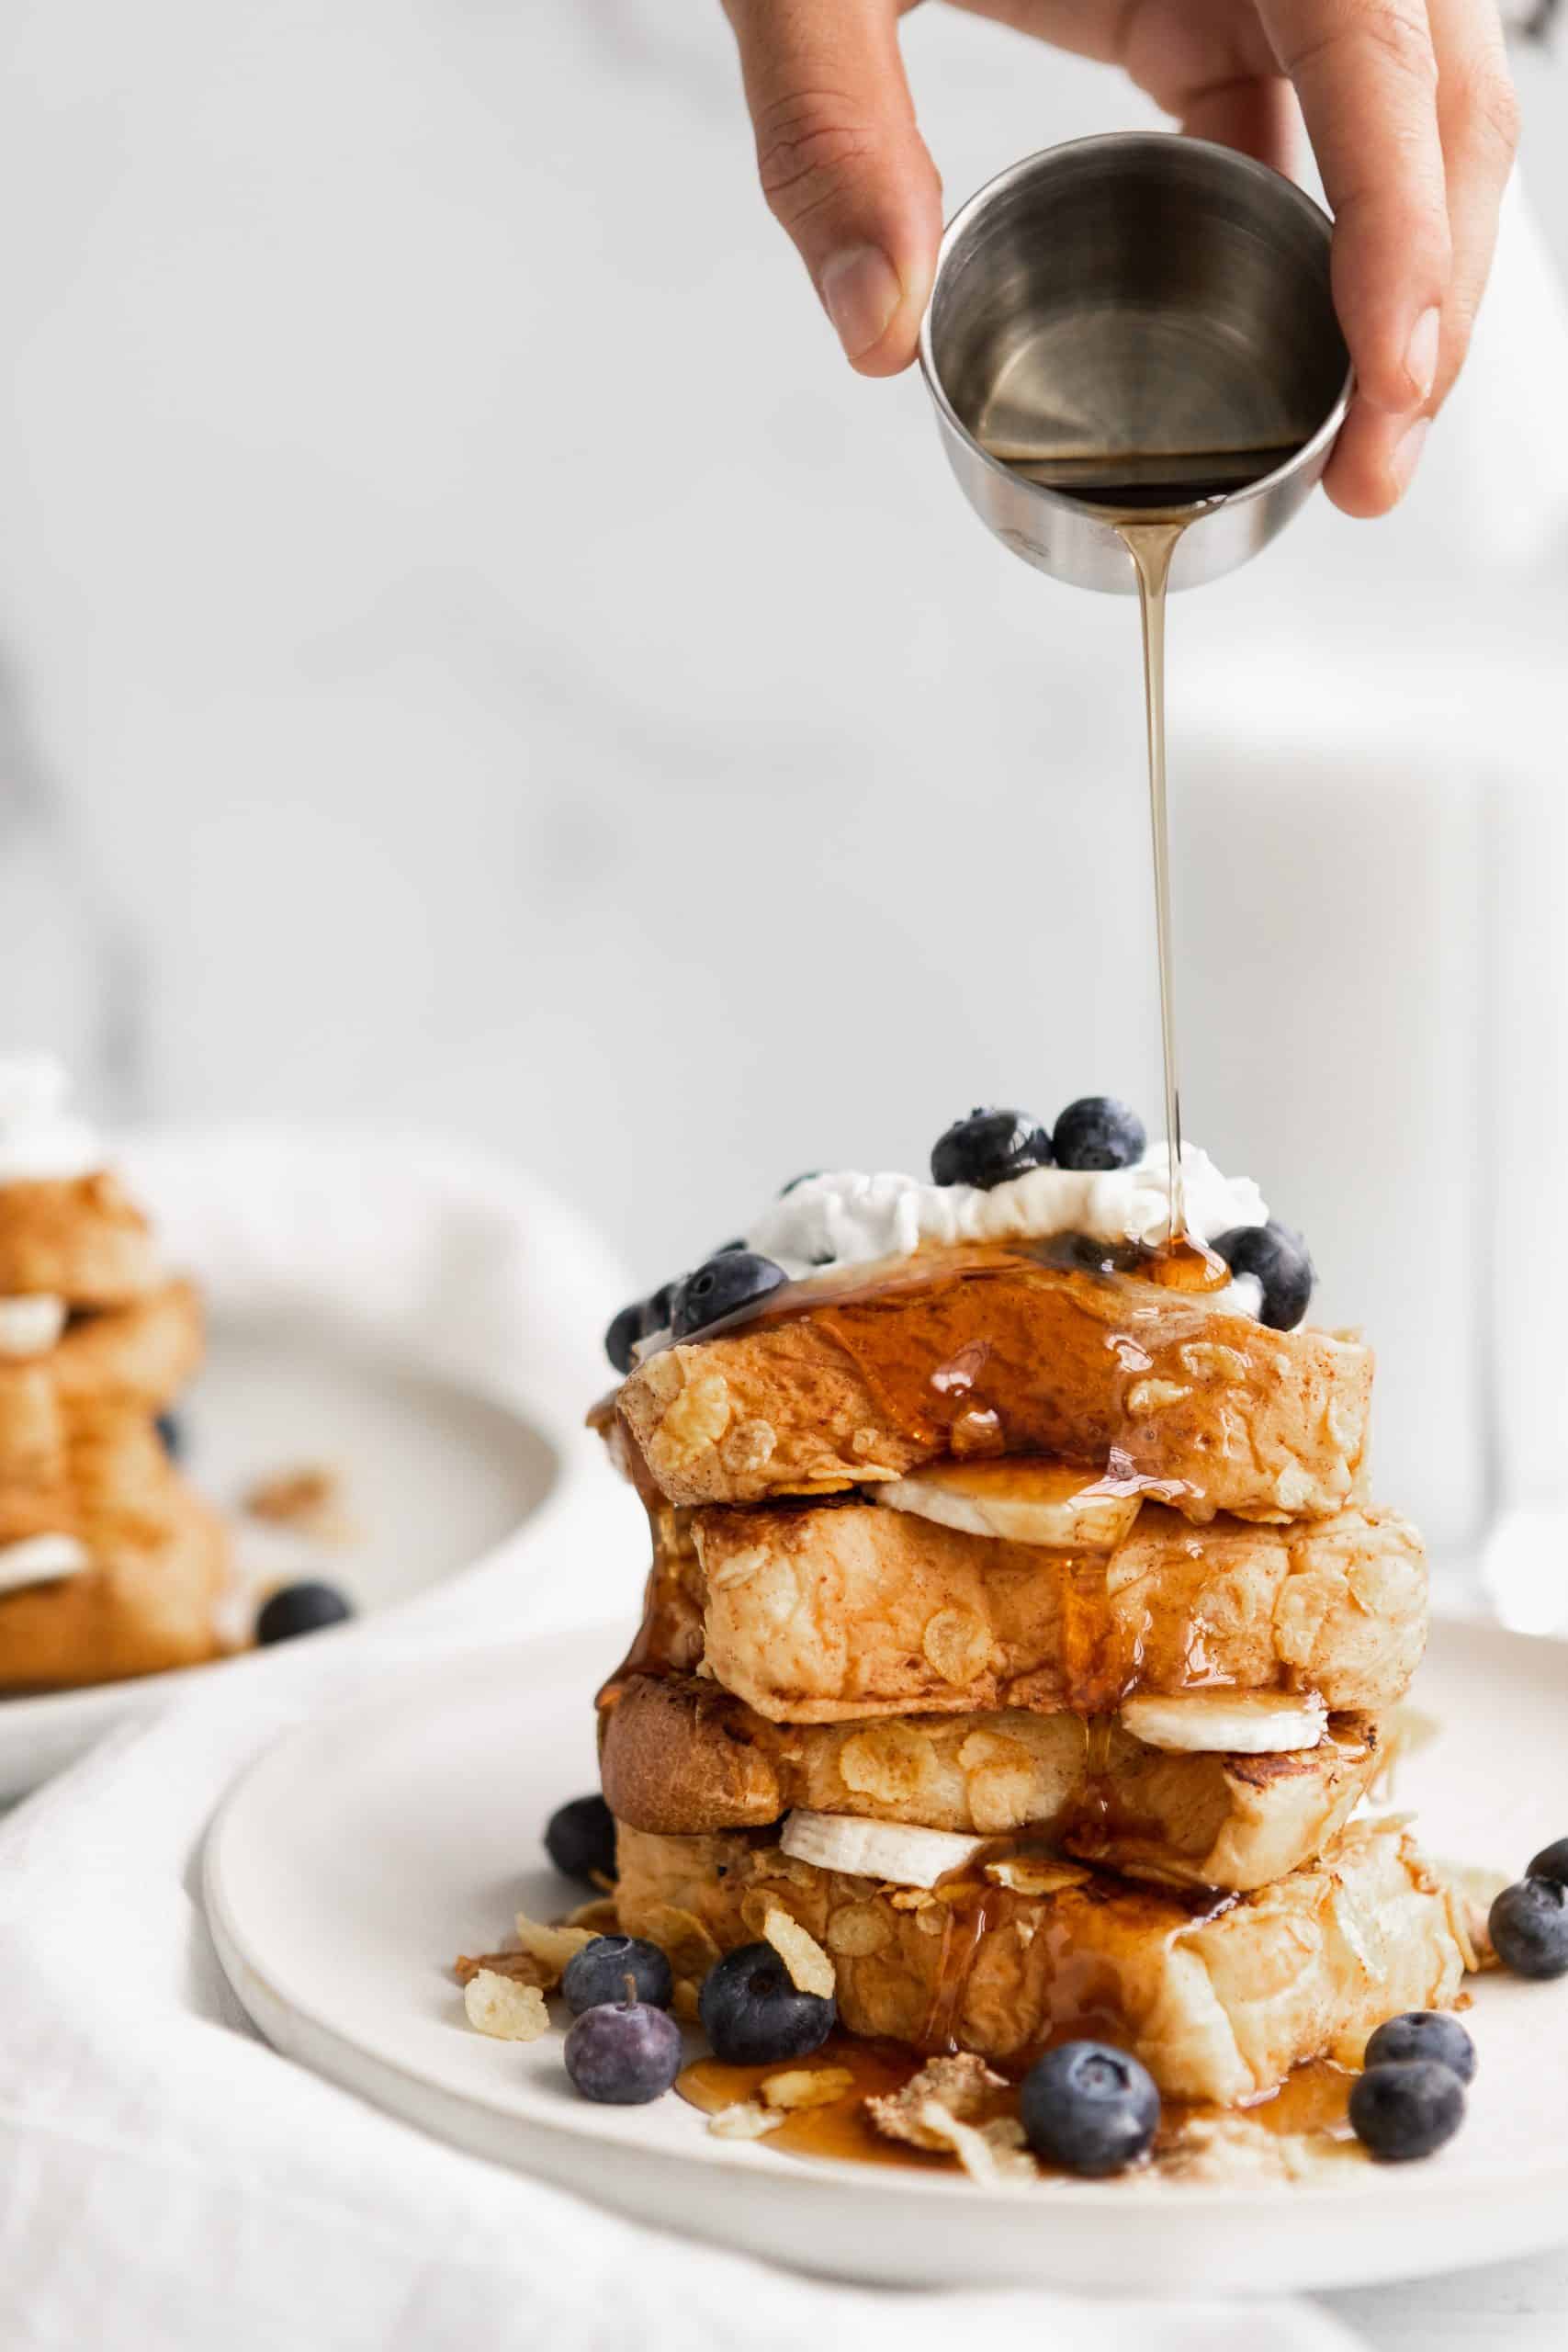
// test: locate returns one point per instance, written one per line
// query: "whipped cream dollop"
(847, 1218)
(41, 1140)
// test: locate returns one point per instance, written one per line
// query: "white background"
(501, 670)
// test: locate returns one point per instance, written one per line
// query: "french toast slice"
(1219, 1999)
(681, 1758)
(159, 1562)
(135, 1358)
(993, 1352)
(81, 1239)
(844, 1610)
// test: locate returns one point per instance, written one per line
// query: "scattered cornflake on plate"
(309, 1501)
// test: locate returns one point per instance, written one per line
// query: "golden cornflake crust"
(1270, 1425)
(682, 1759)
(814, 1614)
(1219, 2001)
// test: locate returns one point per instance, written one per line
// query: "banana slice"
(30, 1327)
(1051, 1503)
(40, 1559)
(886, 1849)
(1231, 1722)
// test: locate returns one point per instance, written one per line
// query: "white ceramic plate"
(355, 1860)
(420, 1317)
(438, 1479)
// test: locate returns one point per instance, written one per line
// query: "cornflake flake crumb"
(684, 2008)
(747, 2121)
(961, 2087)
(810, 1970)
(521, 1966)
(501, 2005)
(309, 1500)
(800, 2087)
(550, 1947)
(599, 1916)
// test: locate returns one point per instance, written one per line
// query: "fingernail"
(859, 293)
(1421, 353)
(1407, 453)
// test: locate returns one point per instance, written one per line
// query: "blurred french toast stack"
(109, 1565)
(1019, 1623)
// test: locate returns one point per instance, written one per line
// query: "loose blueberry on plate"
(624, 2053)
(722, 1285)
(1422, 2034)
(989, 1148)
(171, 1431)
(1088, 2108)
(298, 1609)
(1098, 1132)
(579, 1838)
(1280, 1260)
(1403, 2111)
(754, 2013)
(1529, 1928)
(1552, 1863)
(599, 1972)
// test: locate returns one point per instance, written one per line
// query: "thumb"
(842, 165)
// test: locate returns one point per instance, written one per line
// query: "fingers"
(1367, 77)
(842, 165)
(1476, 118)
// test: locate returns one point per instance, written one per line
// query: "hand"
(1410, 109)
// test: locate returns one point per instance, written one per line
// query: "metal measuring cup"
(1138, 321)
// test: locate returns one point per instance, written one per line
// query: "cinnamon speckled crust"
(815, 1614)
(682, 1759)
(1218, 2007)
(129, 1359)
(83, 1239)
(994, 1357)
(160, 1558)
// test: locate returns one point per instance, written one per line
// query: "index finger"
(1367, 77)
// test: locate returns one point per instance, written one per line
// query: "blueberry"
(1422, 2034)
(598, 1974)
(624, 2053)
(1529, 1928)
(623, 1332)
(752, 2013)
(1279, 1259)
(171, 1431)
(641, 1320)
(1552, 1863)
(721, 1286)
(579, 1838)
(1098, 1132)
(1400, 2113)
(1088, 2108)
(301, 1609)
(989, 1146)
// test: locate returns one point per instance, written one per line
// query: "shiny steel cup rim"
(1128, 142)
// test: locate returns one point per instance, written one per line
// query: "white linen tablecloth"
(169, 2184)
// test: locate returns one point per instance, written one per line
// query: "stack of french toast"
(1019, 1624)
(109, 1565)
